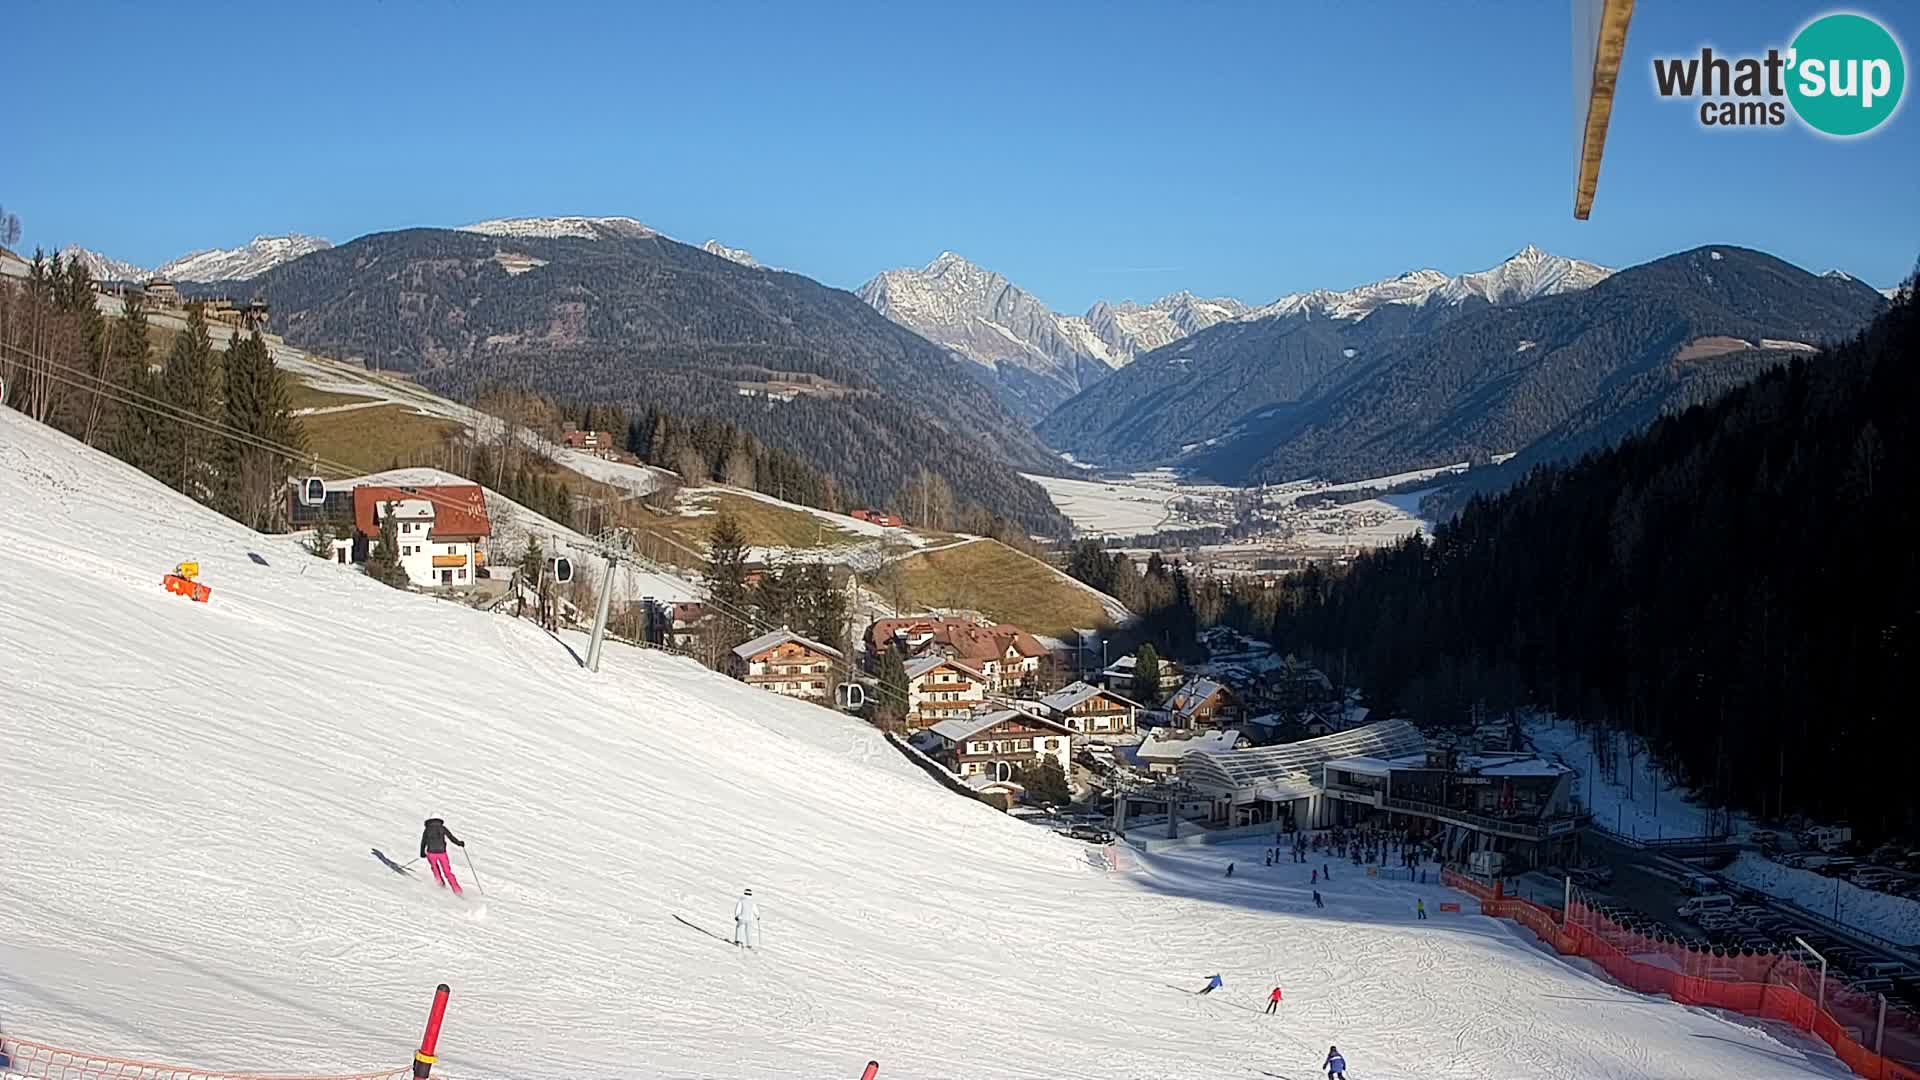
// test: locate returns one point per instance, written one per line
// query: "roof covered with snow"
(777, 638)
(1165, 747)
(959, 728)
(1293, 764)
(1075, 693)
(1191, 698)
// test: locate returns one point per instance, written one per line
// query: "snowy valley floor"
(189, 793)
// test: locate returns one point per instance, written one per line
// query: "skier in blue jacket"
(1213, 983)
(1336, 1065)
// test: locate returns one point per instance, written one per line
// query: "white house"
(783, 662)
(1091, 711)
(996, 744)
(940, 688)
(441, 530)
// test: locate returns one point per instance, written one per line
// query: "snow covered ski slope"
(189, 793)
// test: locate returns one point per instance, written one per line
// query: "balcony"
(449, 562)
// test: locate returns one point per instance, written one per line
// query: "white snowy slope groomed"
(189, 793)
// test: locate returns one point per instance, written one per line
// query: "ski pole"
(468, 855)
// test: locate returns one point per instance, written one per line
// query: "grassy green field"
(372, 439)
(765, 524)
(989, 577)
(302, 396)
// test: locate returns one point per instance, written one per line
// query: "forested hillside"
(1410, 387)
(642, 321)
(1739, 585)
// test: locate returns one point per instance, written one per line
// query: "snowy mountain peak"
(102, 267)
(731, 254)
(252, 259)
(548, 228)
(1528, 273)
(981, 316)
(256, 257)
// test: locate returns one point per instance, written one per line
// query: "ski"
(391, 865)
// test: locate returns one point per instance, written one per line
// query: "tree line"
(805, 596)
(1735, 587)
(215, 426)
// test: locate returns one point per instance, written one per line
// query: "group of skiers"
(1335, 1065)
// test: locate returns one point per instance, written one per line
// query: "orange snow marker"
(181, 583)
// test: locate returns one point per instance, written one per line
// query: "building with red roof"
(442, 529)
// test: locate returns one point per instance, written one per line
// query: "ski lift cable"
(165, 410)
(844, 665)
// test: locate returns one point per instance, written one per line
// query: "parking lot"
(1649, 889)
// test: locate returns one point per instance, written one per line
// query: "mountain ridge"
(1033, 356)
(616, 312)
(1330, 390)
(241, 263)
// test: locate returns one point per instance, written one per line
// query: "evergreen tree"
(252, 478)
(825, 616)
(727, 582)
(187, 386)
(383, 562)
(1045, 782)
(1146, 676)
(320, 544)
(890, 705)
(131, 428)
(777, 595)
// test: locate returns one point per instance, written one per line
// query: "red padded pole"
(423, 1058)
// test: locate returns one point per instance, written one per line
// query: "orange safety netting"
(27, 1058)
(1768, 985)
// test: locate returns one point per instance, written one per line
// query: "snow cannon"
(181, 583)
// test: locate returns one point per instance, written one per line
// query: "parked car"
(1764, 837)
(1693, 908)
(1092, 834)
(1828, 837)
(1887, 855)
(1888, 969)
(1700, 884)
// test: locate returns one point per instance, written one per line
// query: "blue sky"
(1085, 150)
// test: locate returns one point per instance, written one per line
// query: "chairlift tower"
(614, 545)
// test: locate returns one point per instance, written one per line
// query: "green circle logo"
(1847, 74)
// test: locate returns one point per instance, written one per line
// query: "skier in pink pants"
(433, 848)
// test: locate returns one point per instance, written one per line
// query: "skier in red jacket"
(1273, 1001)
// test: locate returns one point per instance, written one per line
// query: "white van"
(1699, 884)
(1710, 904)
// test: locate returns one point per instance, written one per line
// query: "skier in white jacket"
(746, 921)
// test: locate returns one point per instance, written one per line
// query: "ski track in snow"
(188, 793)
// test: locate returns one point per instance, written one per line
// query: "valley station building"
(1385, 774)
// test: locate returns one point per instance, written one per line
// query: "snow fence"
(41, 1061)
(1873, 1039)
(25, 1057)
